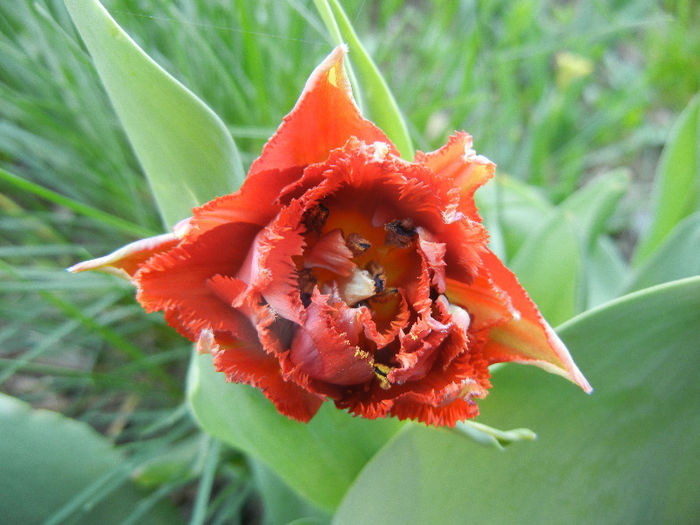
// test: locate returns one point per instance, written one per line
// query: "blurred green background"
(559, 94)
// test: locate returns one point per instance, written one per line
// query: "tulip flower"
(340, 271)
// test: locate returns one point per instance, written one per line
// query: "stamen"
(381, 372)
(400, 232)
(378, 274)
(357, 244)
(307, 280)
(314, 218)
(385, 296)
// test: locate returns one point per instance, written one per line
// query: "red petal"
(458, 162)
(326, 348)
(269, 267)
(176, 281)
(466, 240)
(529, 338)
(447, 415)
(419, 349)
(247, 363)
(391, 315)
(330, 252)
(324, 118)
(254, 203)
(434, 255)
(486, 304)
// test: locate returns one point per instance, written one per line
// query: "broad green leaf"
(381, 105)
(677, 183)
(319, 459)
(678, 256)
(185, 150)
(55, 468)
(626, 454)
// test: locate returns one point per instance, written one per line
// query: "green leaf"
(592, 206)
(55, 468)
(606, 272)
(626, 454)
(677, 183)
(381, 105)
(319, 459)
(185, 150)
(549, 266)
(517, 207)
(177, 461)
(280, 503)
(88, 211)
(550, 263)
(675, 258)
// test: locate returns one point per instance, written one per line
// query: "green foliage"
(551, 264)
(56, 470)
(675, 258)
(185, 149)
(677, 182)
(621, 455)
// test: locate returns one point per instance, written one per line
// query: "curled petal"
(419, 349)
(269, 267)
(177, 281)
(458, 162)
(126, 261)
(327, 347)
(330, 252)
(324, 118)
(434, 255)
(527, 338)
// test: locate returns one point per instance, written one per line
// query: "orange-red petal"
(458, 162)
(176, 281)
(527, 338)
(324, 118)
(247, 363)
(126, 261)
(326, 347)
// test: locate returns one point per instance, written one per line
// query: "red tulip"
(341, 271)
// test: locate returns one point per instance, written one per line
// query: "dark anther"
(314, 218)
(307, 281)
(433, 294)
(400, 232)
(383, 371)
(357, 244)
(388, 294)
(378, 274)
